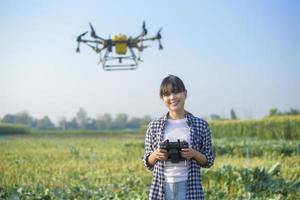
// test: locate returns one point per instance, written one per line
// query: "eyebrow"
(168, 90)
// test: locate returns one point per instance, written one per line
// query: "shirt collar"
(188, 116)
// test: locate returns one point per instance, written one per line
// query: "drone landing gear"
(114, 63)
(119, 67)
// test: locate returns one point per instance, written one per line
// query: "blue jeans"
(175, 191)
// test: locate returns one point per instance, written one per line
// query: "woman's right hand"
(158, 154)
(161, 154)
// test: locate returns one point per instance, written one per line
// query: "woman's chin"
(175, 109)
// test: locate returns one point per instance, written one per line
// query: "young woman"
(180, 180)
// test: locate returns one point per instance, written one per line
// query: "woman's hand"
(158, 154)
(161, 154)
(188, 153)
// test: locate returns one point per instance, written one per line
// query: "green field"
(109, 166)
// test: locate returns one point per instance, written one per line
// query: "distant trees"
(80, 122)
(19, 118)
(82, 118)
(215, 117)
(25, 119)
(233, 115)
(64, 124)
(105, 121)
(276, 112)
(44, 124)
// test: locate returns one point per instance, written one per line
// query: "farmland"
(109, 166)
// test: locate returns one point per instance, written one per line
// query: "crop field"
(109, 166)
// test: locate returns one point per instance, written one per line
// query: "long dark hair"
(171, 84)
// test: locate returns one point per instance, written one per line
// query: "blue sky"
(241, 55)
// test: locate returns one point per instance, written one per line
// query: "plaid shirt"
(200, 141)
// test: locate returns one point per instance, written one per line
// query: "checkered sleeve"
(148, 147)
(206, 148)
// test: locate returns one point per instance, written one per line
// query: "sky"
(240, 55)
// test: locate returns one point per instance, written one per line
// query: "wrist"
(194, 154)
(153, 158)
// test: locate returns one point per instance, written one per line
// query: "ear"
(185, 93)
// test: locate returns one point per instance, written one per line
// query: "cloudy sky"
(241, 55)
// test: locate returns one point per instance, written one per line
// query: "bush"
(13, 129)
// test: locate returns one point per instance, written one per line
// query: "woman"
(181, 180)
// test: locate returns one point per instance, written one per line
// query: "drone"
(119, 52)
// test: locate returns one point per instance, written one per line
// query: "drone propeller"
(81, 35)
(158, 36)
(79, 40)
(160, 46)
(141, 48)
(93, 32)
(145, 31)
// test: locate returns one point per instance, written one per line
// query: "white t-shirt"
(176, 129)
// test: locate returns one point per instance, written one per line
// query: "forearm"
(200, 158)
(152, 159)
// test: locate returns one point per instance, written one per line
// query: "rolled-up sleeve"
(206, 148)
(148, 147)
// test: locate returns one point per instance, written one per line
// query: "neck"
(176, 115)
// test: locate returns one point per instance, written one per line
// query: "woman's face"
(175, 101)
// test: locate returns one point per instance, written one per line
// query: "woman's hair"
(171, 84)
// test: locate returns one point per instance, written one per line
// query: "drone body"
(120, 50)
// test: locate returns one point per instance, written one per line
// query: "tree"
(19, 118)
(215, 117)
(274, 112)
(100, 123)
(134, 123)
(62, 123)
(82, 118)
(293, 111)
(107, 119)
(44, 124)
(120, 121)
(8, 118)
(90, 124)
(146, 119)
(72, 125)
(103, 122)
(232, 115)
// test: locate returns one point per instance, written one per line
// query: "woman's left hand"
(188, 153)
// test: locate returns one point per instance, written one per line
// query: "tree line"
(105, 121)
(272, 112)
(80, 122)
(276, 112)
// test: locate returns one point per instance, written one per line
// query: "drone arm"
(152, 38)
(93, 33)
(96, 49)
(146, 39)
(91, 41)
